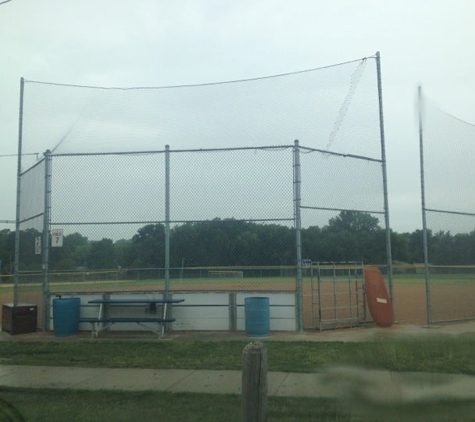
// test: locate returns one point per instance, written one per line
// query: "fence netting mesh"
(330, 108)
(31, 224)
(449, 190)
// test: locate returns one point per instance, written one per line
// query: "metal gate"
(338, 295)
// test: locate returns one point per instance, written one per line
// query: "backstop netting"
(448, 147)
(196, 184)
(30, 225)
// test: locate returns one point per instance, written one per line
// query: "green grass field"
(93, 283)
(446, 279)
(54, 405)
(437, 354)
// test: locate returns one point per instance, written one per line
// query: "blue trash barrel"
(66, 316)
(257, 316)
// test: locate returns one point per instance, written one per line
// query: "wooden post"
(254, 382)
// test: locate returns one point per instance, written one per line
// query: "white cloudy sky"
(165, 42)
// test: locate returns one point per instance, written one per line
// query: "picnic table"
(103, 321)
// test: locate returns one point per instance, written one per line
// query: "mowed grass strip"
(217, 283)
(435, 279)
(204, 283)
(76, 405)
(54, 405)
(431, 354)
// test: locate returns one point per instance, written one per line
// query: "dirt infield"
(448, 303)
(410, 304)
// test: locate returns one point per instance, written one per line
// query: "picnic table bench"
(101, 322)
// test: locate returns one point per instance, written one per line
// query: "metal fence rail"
(338, 295)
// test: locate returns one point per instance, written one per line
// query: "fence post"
(423, 206)
(232, 312)
(298, 235)
(167, 221)
(254, 382)
(47, 240)
(18, 202)
(389, 258)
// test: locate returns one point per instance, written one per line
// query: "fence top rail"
(194, 150)
(339, 154)
(468, 214)
(130, 301)
(362, 59)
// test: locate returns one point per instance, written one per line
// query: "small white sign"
(38, 245)
(56, 238)
(381, 300)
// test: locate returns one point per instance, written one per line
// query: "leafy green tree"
(247, 246)
(7, 253)
(102, 255)
(442, 248)
(73, 254)
(464, 246)
(354, 222)
(400, 246)
(28, 258)
(185, 244)
(354, 236)
(312, 243)
(277, 245)
(349, 236)
(123, 252)
(148, 247)
(416, 246)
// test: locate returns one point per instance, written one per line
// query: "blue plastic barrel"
(66, 316)
(257, 316)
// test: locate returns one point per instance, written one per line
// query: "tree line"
(349, 236)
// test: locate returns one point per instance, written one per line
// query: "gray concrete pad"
(347, 383)
(303, 385)
(7, 369)
(217, 382)
(369, 385)
(274, 381)
(387, 387)
(134, 379)
(417, 386)
(48, 376)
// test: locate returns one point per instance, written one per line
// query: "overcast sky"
(164, 42)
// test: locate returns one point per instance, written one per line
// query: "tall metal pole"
(298, 235)
(167, 221)
(423, 204)
(385, 180)
(18, 194)
(46, 240)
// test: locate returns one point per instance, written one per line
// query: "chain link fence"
(219, 212)
(223, 206)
